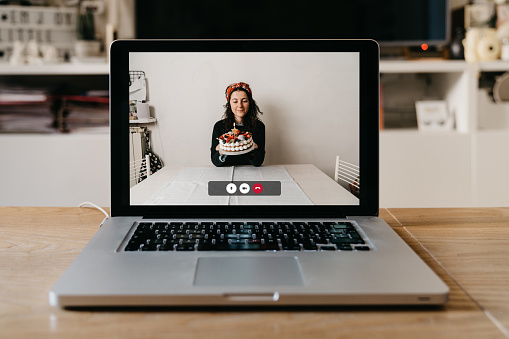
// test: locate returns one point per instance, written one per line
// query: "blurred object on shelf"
(142, 110)
(87, 43)
(137, 86)
(55, 26)
(481, 44)
(480, 15)
(86, 49)
(399, 117)
(95, 6)
(25, 110)
(504, 54)
(502, 14)
(503, 29)
(456, 49)
(433, 115)
(15, 96)
(49, 54)
(73, 111)
(26, 118)
(33, 53)
(501, 89)
(18, 53)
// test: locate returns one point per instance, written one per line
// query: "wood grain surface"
(467, 248)
(472, 246)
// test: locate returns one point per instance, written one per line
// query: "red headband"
(233, 87)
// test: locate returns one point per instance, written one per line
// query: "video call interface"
(244, 128)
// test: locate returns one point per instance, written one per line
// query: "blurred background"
(444, 112)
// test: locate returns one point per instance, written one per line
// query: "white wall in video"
(310, 103)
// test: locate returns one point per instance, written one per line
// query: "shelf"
(386, 66)
(143, 121)
(423, 66)
(409, 132)
(440, 66)
(491, 132)
(494, 66)
(56, 69)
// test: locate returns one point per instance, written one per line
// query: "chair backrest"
(348, 173)
(139, 170)
(139, 161)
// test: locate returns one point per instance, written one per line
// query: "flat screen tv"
(391, 22)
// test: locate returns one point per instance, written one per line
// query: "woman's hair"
(251, 119)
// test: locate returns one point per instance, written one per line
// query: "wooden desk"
(468, 248)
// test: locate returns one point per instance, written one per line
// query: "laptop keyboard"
(246, 236)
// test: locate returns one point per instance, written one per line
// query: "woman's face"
(239, 103)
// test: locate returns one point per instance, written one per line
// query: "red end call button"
(257, 188)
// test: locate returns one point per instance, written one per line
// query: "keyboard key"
(167, 247)
(132, 247)
(290, 245)
(309, 247)
(238, 247)
(185, 247)
(149, 247)
(343, 241)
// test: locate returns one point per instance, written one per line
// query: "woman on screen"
(239, 138)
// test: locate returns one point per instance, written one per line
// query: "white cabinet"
(491, 180)
(425, 169)
(54, 169)
(460, 168)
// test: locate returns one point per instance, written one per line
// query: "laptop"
(287, 220)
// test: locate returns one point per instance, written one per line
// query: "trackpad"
(248, 271)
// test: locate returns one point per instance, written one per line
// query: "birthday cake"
(236, 142)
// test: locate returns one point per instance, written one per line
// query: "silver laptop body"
(320, 100)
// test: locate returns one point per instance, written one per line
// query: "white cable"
(94, 205)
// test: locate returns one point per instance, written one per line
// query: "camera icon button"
(244, 188)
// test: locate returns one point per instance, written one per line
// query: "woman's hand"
(219, 150)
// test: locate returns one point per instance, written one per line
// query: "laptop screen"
(242, 128)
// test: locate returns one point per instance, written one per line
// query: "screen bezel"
(368, 135)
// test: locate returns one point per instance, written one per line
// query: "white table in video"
(302, 184)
